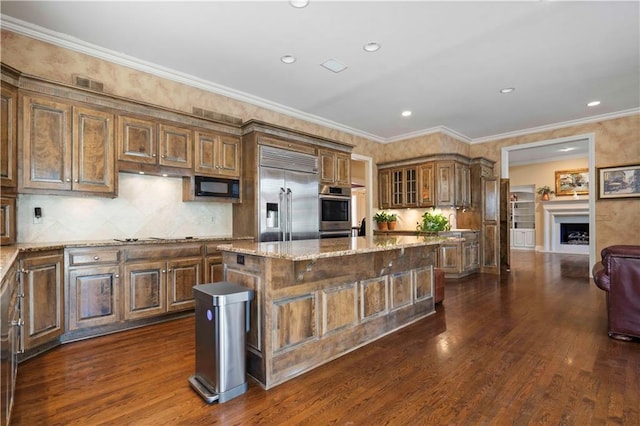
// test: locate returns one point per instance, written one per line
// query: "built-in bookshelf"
(523, 216)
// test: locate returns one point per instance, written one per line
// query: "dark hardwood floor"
(530, 348)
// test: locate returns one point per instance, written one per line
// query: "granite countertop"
(8, 254)
(330, 247)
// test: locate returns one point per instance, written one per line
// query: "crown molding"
(555, 126)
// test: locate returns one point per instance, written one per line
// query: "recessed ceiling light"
(507, 90)
(333, 65)
(593, 103)
(371, 47)
(406, 113)
(288, 59)
(299, 3)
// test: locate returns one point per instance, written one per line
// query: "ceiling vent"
(333, 65)
(87, 83)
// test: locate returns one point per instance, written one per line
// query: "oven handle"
(335, 197)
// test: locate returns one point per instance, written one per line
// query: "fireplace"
(566, 226)
(574, 233)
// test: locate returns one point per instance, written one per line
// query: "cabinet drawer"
(93, 257)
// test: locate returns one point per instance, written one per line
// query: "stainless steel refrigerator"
(288, 208)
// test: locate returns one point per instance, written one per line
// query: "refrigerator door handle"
(290, 213)
(282, 219)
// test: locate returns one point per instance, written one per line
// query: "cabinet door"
(214, 269)
(7, 220)
(230, 156)
(462, 185)
(94, 167)
(327, 166)
(175, 146)
(530, 238)
(426, 192)
(182, 275)
(8, 136)
(343, 170)
(43, 311)
(410, 187)
(46, 144)
(397, 188)
(137, 140)
(449, 261)
(445, 185)
(144, 289)
(384, 189)
(94, 298)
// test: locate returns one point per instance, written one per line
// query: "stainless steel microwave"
(206, 186)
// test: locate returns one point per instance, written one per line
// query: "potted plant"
(381, 220)
(433, 222)
(545, 192)
(391, 221)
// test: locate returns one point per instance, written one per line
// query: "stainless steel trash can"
(222, 321)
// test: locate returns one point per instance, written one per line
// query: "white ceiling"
(445, 61)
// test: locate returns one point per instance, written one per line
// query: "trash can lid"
(224, 293)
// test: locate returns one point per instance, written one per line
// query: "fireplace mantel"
(558, 211)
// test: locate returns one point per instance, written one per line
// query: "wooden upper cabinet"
(384, 189)
(67, 147)
(335, 168)
(175, 146)
(216, 155)
(46, 144)
(426, 189)
(8, 136)
(445, 186)
(137, 140)
(462, 174)
(94, 167)
(404, 187)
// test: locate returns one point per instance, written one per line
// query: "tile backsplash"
(146, 206)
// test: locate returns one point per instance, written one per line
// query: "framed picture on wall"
(619, 182)
(569, 182)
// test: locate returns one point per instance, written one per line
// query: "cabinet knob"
(163, 271)
(68, 180)
(19, 322)
(117, 275)
(96, 257)
(153, 155)
(75, 180)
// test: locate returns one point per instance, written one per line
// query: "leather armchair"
(619, 275)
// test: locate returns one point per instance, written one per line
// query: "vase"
(545, 197)
(382, 226)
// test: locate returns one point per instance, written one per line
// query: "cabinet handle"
(24, 271)
(153, 155)
(19, 322)
(117, 275)
(75, 180)
(68, 180)
(96, 257)
(170, 270)
(163, 271)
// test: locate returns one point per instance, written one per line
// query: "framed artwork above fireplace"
(570, 182)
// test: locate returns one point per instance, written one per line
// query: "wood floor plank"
(527, 348)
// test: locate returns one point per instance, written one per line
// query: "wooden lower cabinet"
(94, 299)
(155, 287)
(459, 258)
(43, 310)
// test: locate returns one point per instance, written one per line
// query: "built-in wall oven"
(334, 211)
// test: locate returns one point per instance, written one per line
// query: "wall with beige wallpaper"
(541, 174)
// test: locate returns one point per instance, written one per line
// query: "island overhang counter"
(316, 300)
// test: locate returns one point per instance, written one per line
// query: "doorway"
(361, 191)
(548, 150)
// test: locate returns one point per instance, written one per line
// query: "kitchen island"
(316, 300)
